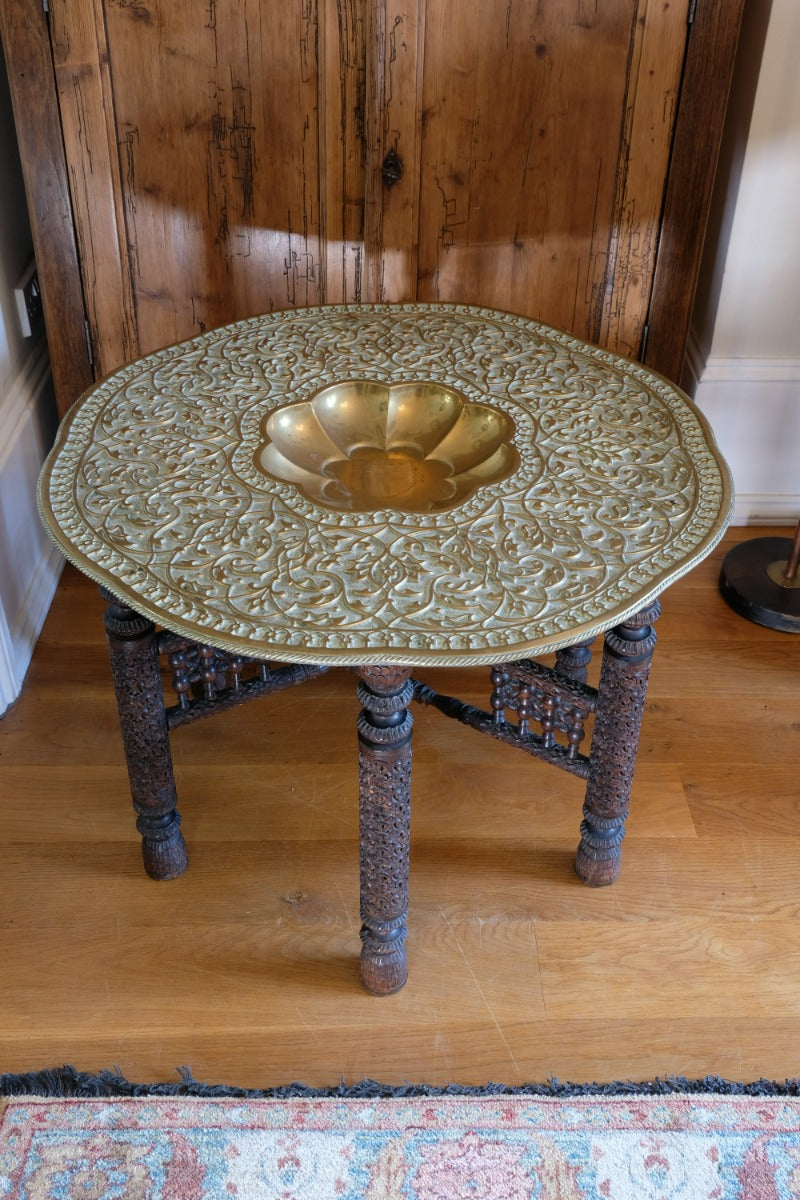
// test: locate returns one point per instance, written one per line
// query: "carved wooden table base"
(558, 700)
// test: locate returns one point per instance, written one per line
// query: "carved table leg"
(145, 737)
(572, 662)
(624, 674)
(384, 739)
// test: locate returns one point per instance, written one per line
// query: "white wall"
(744, 362)
(29, 566)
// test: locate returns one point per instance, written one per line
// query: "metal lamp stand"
(761, 581)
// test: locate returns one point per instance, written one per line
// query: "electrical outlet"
(29, 301)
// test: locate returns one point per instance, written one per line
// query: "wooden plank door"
(536, 156)
(225, 158)
(209, 179)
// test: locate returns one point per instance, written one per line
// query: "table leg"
(572, 662)
(145, 738)
(384, 738)
(627, 654)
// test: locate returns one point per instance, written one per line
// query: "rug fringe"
(66, 1081)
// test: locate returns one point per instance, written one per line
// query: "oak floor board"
(711, 967)
(313, 886)
(525, 1052)
(290, 801)
(726, 796)
(136, 977)
(257, 1055)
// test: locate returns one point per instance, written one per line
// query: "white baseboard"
(9, 685)
(753, 406)
(16, 653)
(30, 565)
(750, 508)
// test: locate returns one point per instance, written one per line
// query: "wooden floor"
(246, 969)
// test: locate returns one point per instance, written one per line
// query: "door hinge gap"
(88, 335)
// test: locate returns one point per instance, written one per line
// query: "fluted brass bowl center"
(361, 445)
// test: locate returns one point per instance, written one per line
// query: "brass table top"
(410, 483)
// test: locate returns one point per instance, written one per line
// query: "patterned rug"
(669, 1140)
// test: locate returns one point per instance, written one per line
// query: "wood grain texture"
(395, 63)
(226, 160)
(546, 141)
(342, 31)
(215, 118)
(710, 58)
(81, 64)
(246, 968)
(655, 68)
(26, 45)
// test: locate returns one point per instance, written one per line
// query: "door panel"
(547, 135)
(225, 159)
(211, 117)
(80, 59)
(188, 124)
(215, 111)
(341, 95)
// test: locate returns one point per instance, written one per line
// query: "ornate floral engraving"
(153, 489)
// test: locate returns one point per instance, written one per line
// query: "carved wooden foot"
(384, 737)
(627, 654)
(145, 737)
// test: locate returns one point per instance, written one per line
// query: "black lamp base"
(750, 581)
